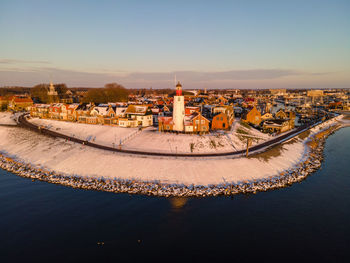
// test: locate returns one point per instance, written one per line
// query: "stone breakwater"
(298, 173)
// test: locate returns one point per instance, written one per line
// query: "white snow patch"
(7, 118)
(101, 134)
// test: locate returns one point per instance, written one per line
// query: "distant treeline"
(13, 90)
(39, 93)
(111, 92)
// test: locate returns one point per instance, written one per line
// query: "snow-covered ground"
(101, 134)
(239, 140)
(76, 159)
(7, 118)
(150, 139)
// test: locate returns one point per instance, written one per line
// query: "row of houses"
(16, 102)
(279, 122)
(89, 113)
(221, 117)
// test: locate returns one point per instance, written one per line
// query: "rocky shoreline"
(310, 163)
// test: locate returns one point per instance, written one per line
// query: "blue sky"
(212, 44)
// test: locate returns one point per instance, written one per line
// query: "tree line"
(39, 93)
(112, 92)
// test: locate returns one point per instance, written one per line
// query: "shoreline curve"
(297, 173)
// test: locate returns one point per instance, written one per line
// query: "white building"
(178, 109)
(52, 91)
(142, 114)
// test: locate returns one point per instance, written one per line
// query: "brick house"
(58, 111)
(20, 103)
(71, 112)
(223, 117)
(165, 124)
(252, 116)
(221, 121)
(196, 123)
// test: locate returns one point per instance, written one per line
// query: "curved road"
(254, 149)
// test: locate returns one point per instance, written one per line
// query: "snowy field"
(150, 139)
(228, 141)
(7, 118)
(101, 134)
(75, 159)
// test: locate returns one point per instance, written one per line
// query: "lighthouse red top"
(178, 89)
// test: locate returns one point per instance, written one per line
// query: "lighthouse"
(179, 109)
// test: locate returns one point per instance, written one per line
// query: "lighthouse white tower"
(179, 109)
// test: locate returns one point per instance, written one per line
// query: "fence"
(130, 136)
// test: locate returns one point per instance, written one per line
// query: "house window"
(217, 118)
(197, 121)
(204, 128)
(167, 127)
(222, 118)
(203, 121)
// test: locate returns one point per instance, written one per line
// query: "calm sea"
(41, 222)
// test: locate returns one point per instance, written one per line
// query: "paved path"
(23, 122)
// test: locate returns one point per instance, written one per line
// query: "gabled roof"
(84, 106)
(57, 105)
(41, 105)
(275, 122)
(137, 109)
(102, 110)
(189, 110)
(22, 100)
(219, 113)
(266, 114)
(166, 120)
(188, 120)
(120, 110)
(73, 106)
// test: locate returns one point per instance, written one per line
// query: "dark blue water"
(307, 221)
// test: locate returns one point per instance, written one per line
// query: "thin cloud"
(192, 79)
(20, 61)
(255, 74)
(321, 73)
